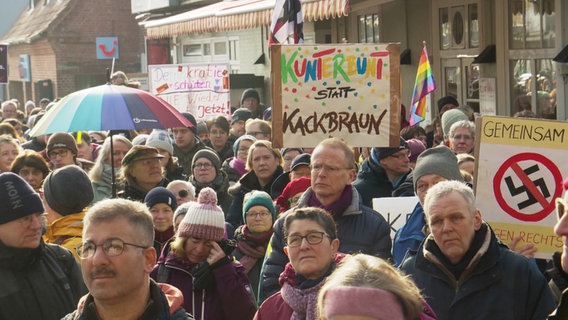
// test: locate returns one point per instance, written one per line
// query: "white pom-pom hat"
(205, 219)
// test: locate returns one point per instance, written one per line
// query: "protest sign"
(520, 166)
(348, 91)
(201, 89)
(395, 210)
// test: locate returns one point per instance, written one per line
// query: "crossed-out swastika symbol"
(539, 183)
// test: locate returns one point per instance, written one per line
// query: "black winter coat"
(43, 283)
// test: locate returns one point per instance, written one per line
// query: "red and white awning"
(237, 15)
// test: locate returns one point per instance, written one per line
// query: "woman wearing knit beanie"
(367, 287)
(162, 203)
(235, 167)
(206, 172)
(311, 246)
(252, 238)
(160, 140)
(197, 262)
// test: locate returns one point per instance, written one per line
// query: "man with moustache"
(37, 280)
(117, 256)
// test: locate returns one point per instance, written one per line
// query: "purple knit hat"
(205, 219)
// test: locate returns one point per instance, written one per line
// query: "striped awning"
(237, 15)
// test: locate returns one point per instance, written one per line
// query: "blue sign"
(107, 47)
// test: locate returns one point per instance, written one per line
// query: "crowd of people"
(211, 221)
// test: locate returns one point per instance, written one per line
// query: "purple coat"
(229, 299)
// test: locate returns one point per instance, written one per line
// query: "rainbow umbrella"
(109, 107)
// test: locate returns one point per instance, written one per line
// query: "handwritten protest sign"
(201, 89)
(521, 163)
(395, 210)
(349, 91)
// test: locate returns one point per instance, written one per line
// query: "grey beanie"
(208, 154)
(439, 160)
(68, 190)
(450, 117)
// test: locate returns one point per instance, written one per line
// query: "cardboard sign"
(395, 210)
(520, 164)
(348, 91)
(200, 89)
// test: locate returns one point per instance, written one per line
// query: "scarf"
(336, 208)
(163, 236)
(458, 268)
(300, 293)
(239, 166)
(251, 246)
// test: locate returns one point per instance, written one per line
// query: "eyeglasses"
(61, 153)
(254, 214)
(183, 193)
(401, 156)
(318, 168)
(313, 238)
(27, 221)
(205, 166)
(462, 137)
(112, 247)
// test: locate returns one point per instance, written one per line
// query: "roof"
(236, 15)
(33, 24)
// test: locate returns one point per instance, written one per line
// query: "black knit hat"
(241, 114)
(209, 154)
(160, 195)
(250, 93)
(68, 190)
(18, 198)
(381, 153)
(447, 100)
(191, 119)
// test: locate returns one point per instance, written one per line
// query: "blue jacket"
(497, 284)
(359, 229)
(409, 237)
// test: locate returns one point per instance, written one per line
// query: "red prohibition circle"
(523, 157)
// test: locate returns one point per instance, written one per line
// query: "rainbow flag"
(422, 87)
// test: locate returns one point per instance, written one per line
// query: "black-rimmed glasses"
(313, 238)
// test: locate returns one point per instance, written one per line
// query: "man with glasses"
(259, 129)
(61, 150)
(360, 229)
(462, 137)
(382, 172)
(117, 256)
(37, 280)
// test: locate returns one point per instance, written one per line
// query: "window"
(533, 87)
(455, 24)
(531, 24)
(368, 27)
(220, 49)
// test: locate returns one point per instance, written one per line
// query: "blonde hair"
(262, 144)
(363, 270)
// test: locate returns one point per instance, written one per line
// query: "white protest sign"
(395, 210)
(200, 89)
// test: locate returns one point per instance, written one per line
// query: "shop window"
(368, 27)
(533, 88)
(532, 24)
